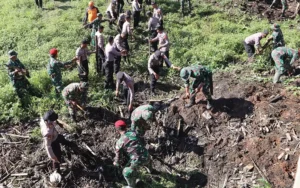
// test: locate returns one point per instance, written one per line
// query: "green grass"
(211, 37)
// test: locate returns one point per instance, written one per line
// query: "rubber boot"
(209, 104)
(192, 101)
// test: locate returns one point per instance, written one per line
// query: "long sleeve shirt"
(129, 82)
(110, 9)
(163, 41)
(254, 39)
(281, 54)
(111, 52)
(82, 54)
(54, 68)
(154, 62)
(49, 134)
(119, 43)
(126, 28)
(11, 66)
(153, 23)
(73, 93)
(158, 13)
(100, 39)
(135, 6)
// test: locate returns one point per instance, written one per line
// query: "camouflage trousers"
(140, 121)
(130, 172)
(182, 2)
(93, 43)
(21, 86)
(206, 89)
(57, 83)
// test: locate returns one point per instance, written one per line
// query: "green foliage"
(36, 134)
(263, 184)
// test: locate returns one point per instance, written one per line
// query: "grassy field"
(210, 36)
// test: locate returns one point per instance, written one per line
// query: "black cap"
(101, 27)
(127, 17)
(50, 116)
(110, 38)
(85, 41)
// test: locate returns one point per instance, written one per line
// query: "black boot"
(192, 101)
(209, 104)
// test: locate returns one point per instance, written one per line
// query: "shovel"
(85, 113)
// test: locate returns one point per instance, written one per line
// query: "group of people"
(284, 57)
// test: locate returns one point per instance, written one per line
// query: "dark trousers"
(166, 53)
(83, 71)
(120, 6)
(153, 44)
(153, 80)
(57, 150)
(108, 69)
(100, 60)
(136, 18)
(249, 49)
(112, 21)
(126, 45)
(126, 94)
(117, 64)
(39, 3)
(120, 25)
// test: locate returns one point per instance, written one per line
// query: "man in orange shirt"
(90, 14)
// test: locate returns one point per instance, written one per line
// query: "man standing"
(52, 139)
(120, 6)
(100, 57)
(111, 13)
(202, 79)
(277, 36)
(154, 65)
(136, 9)
(157, 12)
(75, 94)
(90, 14)
(39, 3)
(281, 55)
(153, 24)
(82, 54)
(163, 41)
(126, 30)
(119, 44)
(54, 69)
(111, 53)
(182, 6)
(128, 88)
(129, 145)
(17, 74)
(284, 7)
(252, 44)
(122, 19)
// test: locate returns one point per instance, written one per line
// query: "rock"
(206, 115)
(288, 136)
(280, 156)
(248, 168)
(286, 157)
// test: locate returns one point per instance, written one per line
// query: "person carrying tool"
(90, 14)
(277, 37)
(157, 12)
(128, 88)
(111, 53)
(75, 95)
(136, 9)
(141, 117)
(202, 79)
(111, 13)
(252, 44)
(281, 55)
(17, 74)
(122, 19)
(163, 41)
(154, 65)
(100, 56)
(54, 69)
(53, 140)
(130, 145)
(82, 54)
(120, 45)
(153, 24)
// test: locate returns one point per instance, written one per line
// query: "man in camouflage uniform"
(284, 7)
(54, 69)
(202, 79)
(276, 36)
(281, 56)
(140, 118)
(182, 6)
(17, 74)
(75, 94)
(130, 145)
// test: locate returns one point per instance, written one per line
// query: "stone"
(249, 168)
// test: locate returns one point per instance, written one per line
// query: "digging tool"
(274, 1)
(85, 113)
(64, 125)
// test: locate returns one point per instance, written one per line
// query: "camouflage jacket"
(96, 23)
(72, 92)
(142, 112)
(285, 53)
(130, 145)
(198, 72)
(11, 66)
(278, 39)
(54, 68)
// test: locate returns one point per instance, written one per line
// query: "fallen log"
(19, 174)
(18, 136)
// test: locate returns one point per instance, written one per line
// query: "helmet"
(184, 74)
(120, 124)
(12, 53)
(91, 4)
(53, 51)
